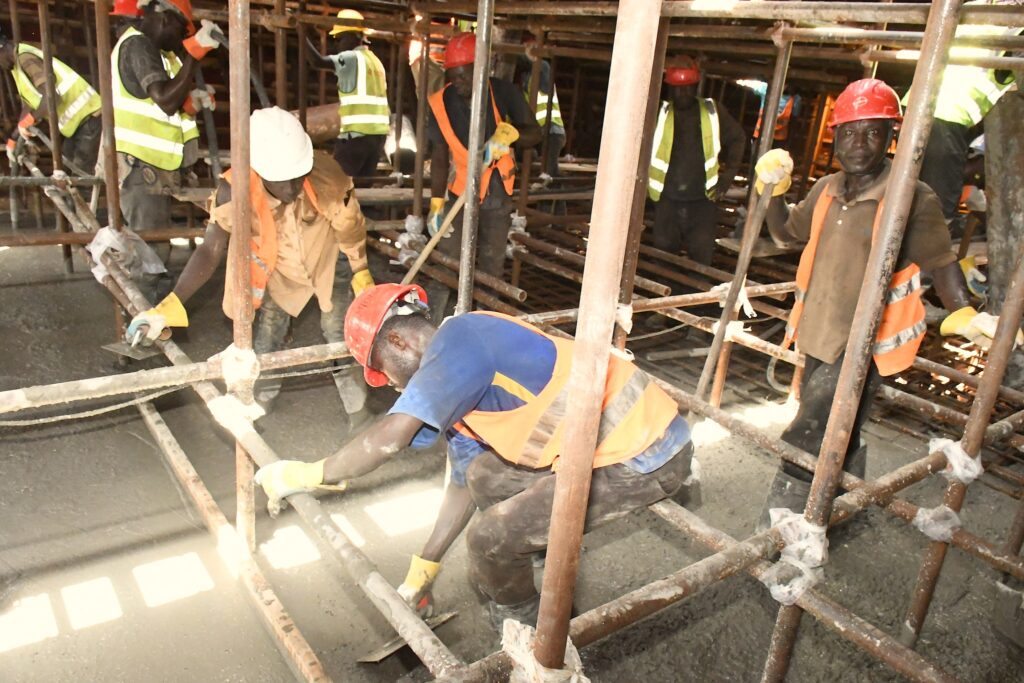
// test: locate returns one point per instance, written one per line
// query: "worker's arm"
(511, 100)
(170, 94)
(777, 216)
(951, 287)
(203, 263)
(372, 448)
(457, 509)
(315, 59)
(733, 141)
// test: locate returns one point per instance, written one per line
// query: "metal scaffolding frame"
(609, 274)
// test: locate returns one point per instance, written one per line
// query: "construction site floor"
(107, 574)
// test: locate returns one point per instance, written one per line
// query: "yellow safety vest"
(76, 99)
(141, 128)
(661, 153)
(365, 110)
(542, 106)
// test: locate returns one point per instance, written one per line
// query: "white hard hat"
(279, 148)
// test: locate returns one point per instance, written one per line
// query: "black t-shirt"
(685, 178)
(508, 98)
(141, 65)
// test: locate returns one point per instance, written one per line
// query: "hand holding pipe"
(445, 227)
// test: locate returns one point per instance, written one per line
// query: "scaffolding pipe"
(528, 154)
(40, 239)
(301, 658)
(474, 165)
(632, 58)
(975, 435)
(892, 222)
(421, 120)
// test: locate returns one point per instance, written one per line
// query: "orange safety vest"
(635, 412)
(263, 246)
(781, 123)
(902, 328)
(506, 166)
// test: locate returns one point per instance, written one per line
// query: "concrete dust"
(89, 503)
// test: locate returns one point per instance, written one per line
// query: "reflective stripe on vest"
(635, 413)
(541, 109)
(76, 99)
(506, 166)
(263, 243)
(661, 151)
(365, 110)
(903, 325)
(141, 128)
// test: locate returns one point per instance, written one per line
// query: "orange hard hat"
(461, 50)
(126, 8)
(367, 314)
(686, 74)
(868, 98)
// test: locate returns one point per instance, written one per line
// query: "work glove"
(500, 144)
(975, 278)
(415, 590)
(208, 37)
(12, 157)
(436, 216)
(26, 122)
(287, 477)
(978, 328)
(199, 99)
(776, 166)
(361, 281)
(151, 325)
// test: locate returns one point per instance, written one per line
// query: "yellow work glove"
(415, 590)
(978, 328)
(436, 216)
(499, 144)
(776, 166)
(287, 477)
(975, 278)
(362, 280)
(153, 323)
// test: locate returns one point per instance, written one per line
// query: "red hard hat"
(868, 98)
(365, 317)
(461, 50)
(126, 8)
(687, 74)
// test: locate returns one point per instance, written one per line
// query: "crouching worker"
(496, 388)
(303, 213)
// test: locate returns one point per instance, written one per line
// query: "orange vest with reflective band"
(781, 123)
(263, 246)
(902, 328)
(635, 412)
(506, 166)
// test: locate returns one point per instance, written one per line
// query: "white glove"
(202, 98)
(209, 34)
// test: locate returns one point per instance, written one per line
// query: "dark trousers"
(689, 224)
(942, 168)
(83, 147)
(817, 391)
(515, 513)
(358, 156)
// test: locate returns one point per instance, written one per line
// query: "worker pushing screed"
(837, 221)
(496, 388)
(508, 119)
(304, 211)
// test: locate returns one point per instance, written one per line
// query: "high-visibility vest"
(263, 243)
(506, 166)
(903, 326)
(542, 105)
(635, 412)
(661, 153)
(365, 110)
(76, 99)
(781, 122)
(141, 128)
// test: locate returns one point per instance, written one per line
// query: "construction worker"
(78, 104)
(362, 95)
(696, 154)
(836, 221)
(495, 387)
(448, 131)
(546, 93)
(303, 213)
(155, 98)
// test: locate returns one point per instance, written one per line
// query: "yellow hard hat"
(351, 20)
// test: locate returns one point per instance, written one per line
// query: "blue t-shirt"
(481, 362)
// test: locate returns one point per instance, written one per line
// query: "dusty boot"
(524, 612)
(786, 492)
(1008, 611)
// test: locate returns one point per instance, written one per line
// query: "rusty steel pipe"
(528, 154)
(629, 79)
(930, 366)
(421, 119)
(942, 21)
